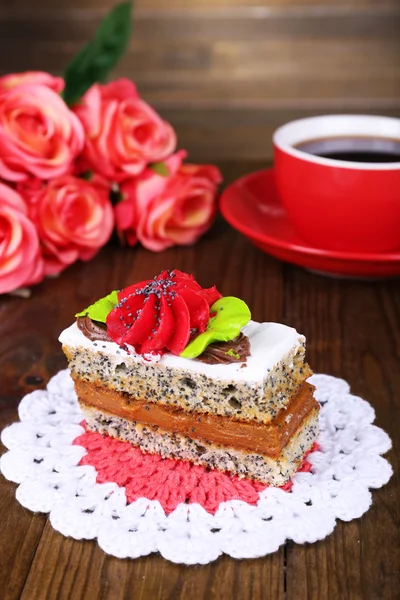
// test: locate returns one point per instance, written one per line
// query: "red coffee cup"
(340, 204)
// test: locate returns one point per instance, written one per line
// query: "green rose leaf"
(160, 168)
(115, 195)
(86, 175)
(231, 315)
(95, 61)
(100, 309)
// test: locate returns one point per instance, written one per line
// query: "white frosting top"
(269, 343)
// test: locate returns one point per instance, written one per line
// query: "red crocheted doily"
(166, 480)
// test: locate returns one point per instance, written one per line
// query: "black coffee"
(357, 149)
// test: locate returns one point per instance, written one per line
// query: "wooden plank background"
(226, 73)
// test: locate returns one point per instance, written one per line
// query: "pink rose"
(20, 259)
(74, 219)
(165, 211)
(39, 135)
(125, 214)
(123, 133)
(29, 189)
(36, 77)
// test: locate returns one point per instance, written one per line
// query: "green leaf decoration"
(95, 61)
(231, 315)
(232, 353)
(100, 309)
(160, 168)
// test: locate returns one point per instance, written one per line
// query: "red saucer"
(251, 206)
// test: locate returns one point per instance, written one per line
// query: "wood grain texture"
(84, 571)
(349, 334)
(211, 133)
(241, 23)
(353, 331)
(267, 61)
(215, 6)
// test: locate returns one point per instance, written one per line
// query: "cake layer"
(251, 436)
(269, 344)
(256, 389)
(155, 440)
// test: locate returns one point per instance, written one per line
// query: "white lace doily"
(44, 462)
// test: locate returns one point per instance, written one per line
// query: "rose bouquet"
(80, 157)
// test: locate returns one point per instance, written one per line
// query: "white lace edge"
(42, 459)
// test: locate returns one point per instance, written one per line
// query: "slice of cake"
(179, 370)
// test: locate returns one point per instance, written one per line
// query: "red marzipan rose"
(159, 313)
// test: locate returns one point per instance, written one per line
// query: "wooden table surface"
(353, 331)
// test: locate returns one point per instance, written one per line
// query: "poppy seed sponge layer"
(252, 465)
(258, 390)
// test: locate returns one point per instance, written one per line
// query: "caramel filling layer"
(251, 436)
